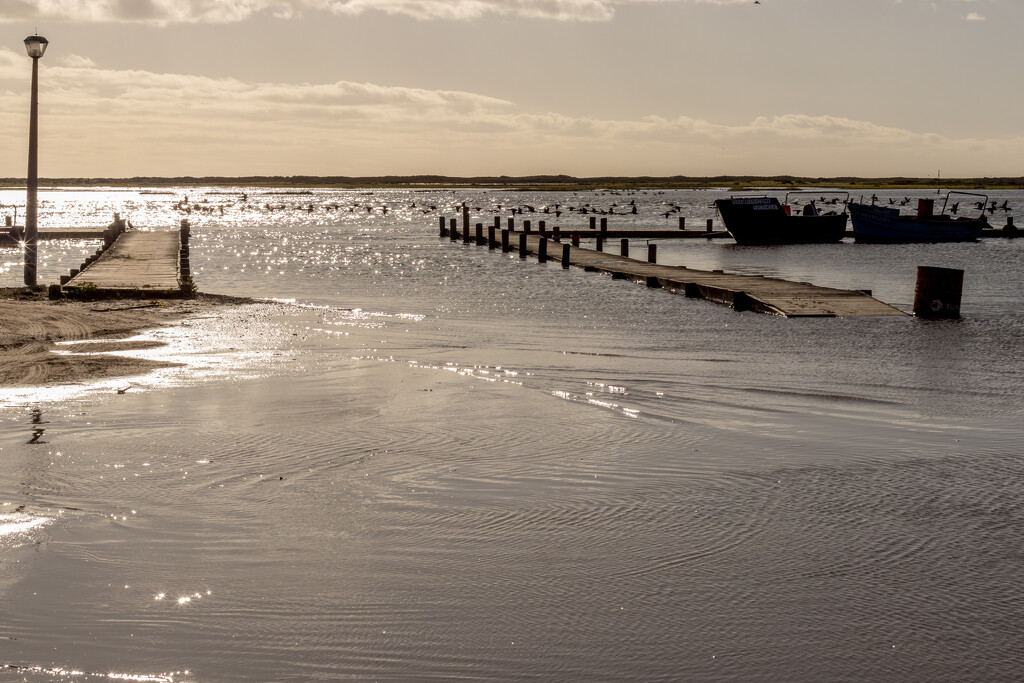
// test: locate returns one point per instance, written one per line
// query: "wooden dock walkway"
(742, 292)
(136, 262)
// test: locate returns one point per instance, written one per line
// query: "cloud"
(974, 16)
(122, 123)
(163, 12)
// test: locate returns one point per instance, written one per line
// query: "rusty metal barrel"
(937, 292)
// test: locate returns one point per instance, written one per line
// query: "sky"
(870, 88)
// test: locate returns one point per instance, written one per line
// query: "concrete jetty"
(741, 292)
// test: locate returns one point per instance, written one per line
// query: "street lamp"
(36, 46)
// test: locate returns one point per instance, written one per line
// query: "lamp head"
(36, 46)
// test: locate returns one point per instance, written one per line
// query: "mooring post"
(480, 234)
(526, 226)
(1010, 230)
(593, 223)
(453, 233)
(465, 219)
(511, 224)
(575, 239)
(600, 243)
(556, 233)
(504, 241)
(497, 223)
(542, 250)
(604, 225)
(465, 234)
(444, 228)
(624, 249)
(937, 292)
(522, 245)
(565, 255)
(541, 226)
(491, 243)
(652, 253)
(710, 222)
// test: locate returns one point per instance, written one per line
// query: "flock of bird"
(668, 209)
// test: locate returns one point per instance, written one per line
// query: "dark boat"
(765, 220)
(885, 223)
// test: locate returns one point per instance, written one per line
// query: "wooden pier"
(741, 292)
(135, 263)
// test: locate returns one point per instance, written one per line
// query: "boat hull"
(886, 225)
(760, 221)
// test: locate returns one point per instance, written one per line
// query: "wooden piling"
(593, 223)
(504, 241)
(624, 248)
(491, 242)
(453, 233)
(526, 226)
(565, 255)
(465, 219)
(556, 234)
(604, 225)
(522, 245)
(444, 228)
(542, 250)
(479, 234)
(600, 243)
(710, 223)
(652, 253)
(511, 224)
(682, 222)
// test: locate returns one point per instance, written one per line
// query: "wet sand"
(31, 326)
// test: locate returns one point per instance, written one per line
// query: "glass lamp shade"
(36, 46)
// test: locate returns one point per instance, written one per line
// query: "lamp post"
(36, 46)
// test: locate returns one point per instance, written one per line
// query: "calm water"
(418, 460)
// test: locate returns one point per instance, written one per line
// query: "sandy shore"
(31, 325)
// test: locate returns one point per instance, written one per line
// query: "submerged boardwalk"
(742, 292)
(136, 262)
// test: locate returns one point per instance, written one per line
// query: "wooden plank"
(138, 260)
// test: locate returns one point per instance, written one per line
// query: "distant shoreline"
(559, 183)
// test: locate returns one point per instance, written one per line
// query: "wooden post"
(541, 225)
(465, 219)
(526, 226)
(600, 243)
(652, 253)
(479, 233)
(444, 229)
(542, 250)
(465, 234)
(624, 249)
(593, 223)
(511, 224)
(504, 241)
(575, 239)
(497, 223)
(937, 292)
(522, 245)
(556, 233)
(604, 225)
(710, 221)
(682, 222)
(565, 255)
(491, 243)
(453, 233)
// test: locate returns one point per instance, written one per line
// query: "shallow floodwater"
(419, 460)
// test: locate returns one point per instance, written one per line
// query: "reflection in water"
(37, 433)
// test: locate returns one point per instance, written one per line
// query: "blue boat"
(885, 223)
